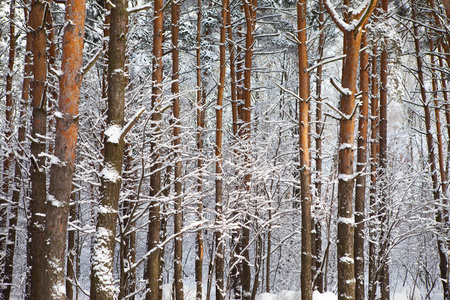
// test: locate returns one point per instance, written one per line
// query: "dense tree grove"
(224, 149)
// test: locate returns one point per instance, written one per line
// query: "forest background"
(221, 150)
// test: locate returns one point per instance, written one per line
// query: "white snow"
(347, 260)
(324, 296)
(102, 259)
(54, 201)
(110, 174)
(295, 295)
(346, 220)
(113, 133)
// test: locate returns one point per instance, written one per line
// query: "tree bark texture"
(178, 219)
(360, 190)
(318, 276)
(250, 8)
(153, 263)
(8, 233)
(200, 127)
(61, 172)
(431, 156)
(102, 284)
(374, 150)
(345, 226)
(220, 242)
(305, 163)
(38, 147)
(384, 212)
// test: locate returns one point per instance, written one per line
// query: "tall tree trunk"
(19, 177)
(38, 146)
(431, 156)
(305, 163)
(71, 251)
(250, 20)
(360, 190)
(102, 284)
(318, 277)
(384, 212)
(200, 127)
(153, 263)
(345, 226)
(178, 219)
(220, 242)
(374, 150)
(8, 233)
(235, 51)
(61, 172)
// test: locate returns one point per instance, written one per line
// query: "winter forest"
(234, 149)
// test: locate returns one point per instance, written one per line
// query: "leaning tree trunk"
(102, 281)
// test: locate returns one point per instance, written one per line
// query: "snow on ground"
(294, 295)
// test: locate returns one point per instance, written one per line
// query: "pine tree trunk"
(431, 157)
(345, 224)
(38, 146)
(220, 242)
(360, 190)
(19, 176)
(153, 263)
(305, 163)
(200, 127)
(374, 146)
(178, 219)
(250, 20)
(102, 284)
(318, 277)
(72, 251)
(384, 212)
(8, 231)
(61, 172)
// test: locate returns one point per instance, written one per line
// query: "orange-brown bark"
(345, 226)
(220, 242)
(61, 172)
(305, 163)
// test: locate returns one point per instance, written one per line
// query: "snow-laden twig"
(342, 90)
(91, 63)
(355, 24)
(291, 93)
